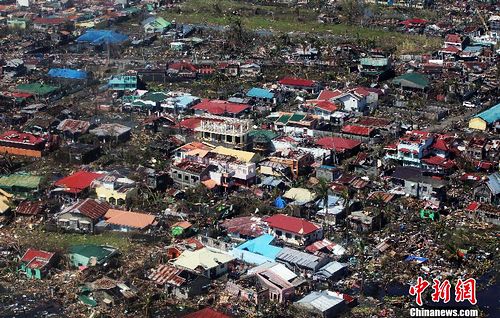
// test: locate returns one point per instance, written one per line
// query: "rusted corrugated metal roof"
(166, 274)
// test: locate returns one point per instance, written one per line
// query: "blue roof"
(494, 183)
(332, 201)
(475, 49)
(262, 246)
(185, 100)
(490, 115)
(260, 93)
(97, 37)
(271, 181)
(67, 73)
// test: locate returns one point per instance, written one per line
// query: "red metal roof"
(391, 147)
(324, 105)
(440, 144)
(13, 136)
(337, 143)
(206, 313)
(291, 224)
(74, 126)
(91, 208)
(318, 245)
(78, 181)
(453, 38)
(180, 66)
(439, 161)
(194, 243)
(30, 207)
(31, 254)
(289, 81)
(486, 165)
(219, 107)
(16, 94)
(357, 130)
(245, 225)
(53, 21)
(414, 21)
(190, 123)
(328, 94)
(373, 122)
(450, 49)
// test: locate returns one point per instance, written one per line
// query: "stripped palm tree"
(322, 189)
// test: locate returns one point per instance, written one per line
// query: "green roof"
(160, 23)
(412, 80)
(155, 96)
(99, 252)
(87, 300)
(269, 134)
(284, 118)
(37, 89)
(20, 180)
(297, 117)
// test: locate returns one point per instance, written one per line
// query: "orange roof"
(195, 145)
(209, 183)
(129, 219)
(182, 224)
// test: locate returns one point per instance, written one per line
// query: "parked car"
(469, 105)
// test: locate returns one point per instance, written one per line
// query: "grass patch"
(284, 19)
(52, 241)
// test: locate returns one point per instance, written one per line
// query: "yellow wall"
(477, 123)
(103, 192)
(85, 24)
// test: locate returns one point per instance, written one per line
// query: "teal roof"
(122, 79)
(37, 88)
(87, 300)
(99, 252)
(159, 23)
(371, 61)
(414, 79)
(490, 115)
(260, 93)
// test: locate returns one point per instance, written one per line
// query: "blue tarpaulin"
(98, 37)
(413, 258)
(279, 203)
(67, 73)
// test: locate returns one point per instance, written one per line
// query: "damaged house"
(36, 263)
(294, 231)
(205, 261)
(489, 190)
(178, 282)
(268, 282)
(82, 216)
(416, 183)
